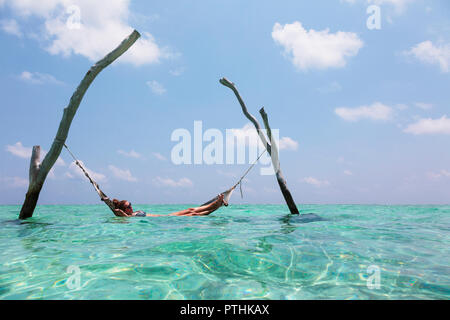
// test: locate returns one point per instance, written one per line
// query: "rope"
(246, 172)
(83, 169)
(102, 195)
(111, 205)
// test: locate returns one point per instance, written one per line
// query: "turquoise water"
(239, 252)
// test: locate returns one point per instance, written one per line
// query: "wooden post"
(39, 171)
(271, 148)
(276, 165)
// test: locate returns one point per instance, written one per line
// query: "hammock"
(227, 194)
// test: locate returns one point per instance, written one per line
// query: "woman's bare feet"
(225, 203)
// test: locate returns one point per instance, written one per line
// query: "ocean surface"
(238, 252)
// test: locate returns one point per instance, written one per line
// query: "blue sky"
(366, 112)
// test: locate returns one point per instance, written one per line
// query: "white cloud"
(248, 136)
(316, 182)
(122, 174)
(311, 49)
(89, 28)
(424, 106)
(51, 174)
(167, 182)
(376, 111)
(348, 172)
(177, 72)
(430, 126)
(343, 161)
(441, 174)
(59, 161)
(159, 156)
(75, 171)
(156, 87)
(19, 150)
(287, 143)
(26, 8)
(429, 53)
(131, 154)
(69, 175)
(11, 26)
(25, 152)
(39, 78)
(399, 5)
(15, 182)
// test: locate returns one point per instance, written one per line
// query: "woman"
(124, 209)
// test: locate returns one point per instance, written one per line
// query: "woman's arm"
(120, 213)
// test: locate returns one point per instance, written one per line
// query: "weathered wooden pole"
(39, 171)
(271, 148)
(276, 165)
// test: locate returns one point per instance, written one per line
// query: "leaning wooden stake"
(272, 148)
(39, 171)
(276, 165)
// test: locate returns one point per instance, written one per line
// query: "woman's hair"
(120, 204)
(116, 203)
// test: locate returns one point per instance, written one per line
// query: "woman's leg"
(212, 206)
(190, 211)
(182, 212)
(200, 211)
(205, 210)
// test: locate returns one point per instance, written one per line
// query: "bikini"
(140, 213)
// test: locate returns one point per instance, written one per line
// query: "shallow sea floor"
(239, 252)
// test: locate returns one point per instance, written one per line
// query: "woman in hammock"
(124, 209)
